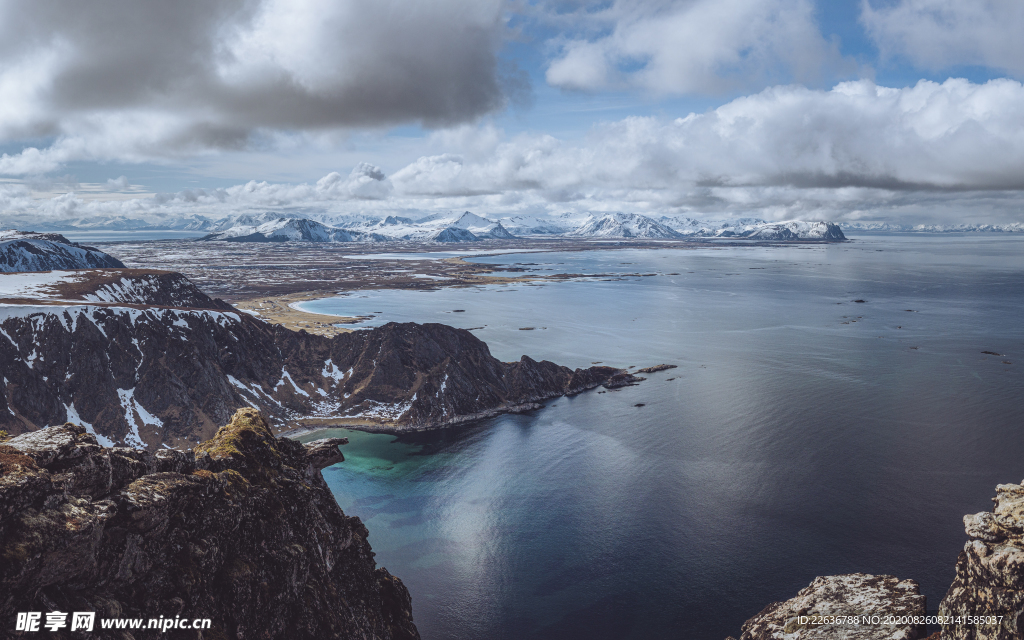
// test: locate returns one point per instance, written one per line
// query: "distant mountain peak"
(623, 225)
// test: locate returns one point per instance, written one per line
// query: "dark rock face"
(25, 251)
(136, 373)
(413, 376)
(808, 615)
(453, 234)
(243, 531)
(833, 233)
(990, 572)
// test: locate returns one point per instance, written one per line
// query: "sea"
(835, 409)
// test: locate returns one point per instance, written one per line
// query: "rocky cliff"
(845, 607)
(985, 601)
(242, 530)
(27, 251)
(989, 579)
(145, 359)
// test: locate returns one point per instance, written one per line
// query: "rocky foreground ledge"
(985, 601)
(990, 572)
(243, 530)
(822, 610)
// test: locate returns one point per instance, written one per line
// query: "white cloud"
(930, 151)
(937, 34)
(118, 184)
(30, 161)
(704, 46)
(954, 135)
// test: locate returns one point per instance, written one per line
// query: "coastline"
(280, 310)
(312, 425)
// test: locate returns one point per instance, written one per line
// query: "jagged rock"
(238, 531)
(855, 594)
(145, 359)
(621, 379)
(324, 452)
(990, 572)
(656, 368)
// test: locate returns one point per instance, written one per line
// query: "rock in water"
(243, 531)
(989, 579)
(855, 594)
(656, 368)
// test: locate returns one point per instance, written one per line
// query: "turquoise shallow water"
(791, 441)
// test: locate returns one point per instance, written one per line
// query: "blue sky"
(900, 110)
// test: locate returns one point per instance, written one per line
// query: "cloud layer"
(923, 153)
(129, 80)
(938, 34)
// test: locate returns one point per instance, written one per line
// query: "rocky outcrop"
(26, 251)
(145, 359)
(989, 581)
(656, 368)
(243, 530)
(861, 602)
(985, 601)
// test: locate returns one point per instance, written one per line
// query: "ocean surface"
(802, 434)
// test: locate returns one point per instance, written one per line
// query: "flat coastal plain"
(267, 279)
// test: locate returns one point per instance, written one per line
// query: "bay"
(802, 434)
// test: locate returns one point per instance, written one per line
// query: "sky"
(904, 111)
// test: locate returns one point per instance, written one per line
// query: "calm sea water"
(803, 434)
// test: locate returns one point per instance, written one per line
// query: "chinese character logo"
(28, 621)
(83, 620)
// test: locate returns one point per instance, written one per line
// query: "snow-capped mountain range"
(466, 227)
(469, 227)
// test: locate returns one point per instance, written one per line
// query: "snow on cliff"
(792, 230)
(26, 251)
(623, 225)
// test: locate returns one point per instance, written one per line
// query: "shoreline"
(368, 427)
(312, 425)
(279, 310)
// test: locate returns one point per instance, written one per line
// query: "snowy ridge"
(23, 251)
(70, 315)
(466, 227)
(623, 225)
(38, 285)
(289, 229)
(792, 230)
(119, 345)
(106, 287)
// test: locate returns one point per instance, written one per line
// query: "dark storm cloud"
(206, 73)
